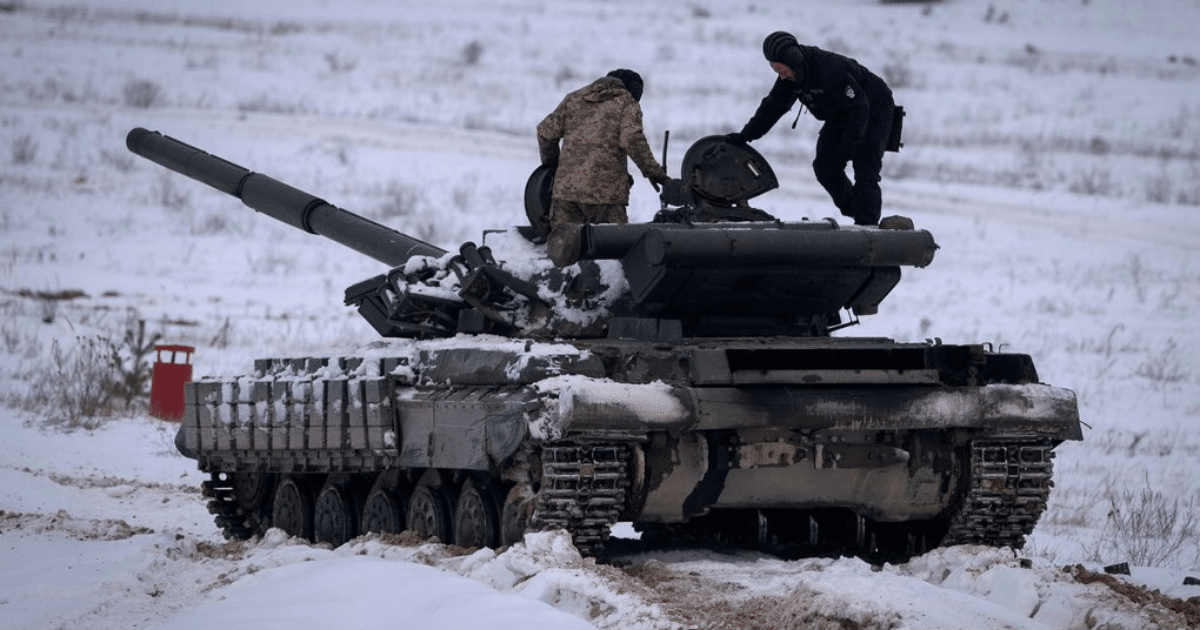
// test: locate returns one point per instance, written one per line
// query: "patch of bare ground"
(106, 481)
(1154, 602)
(63, 523)
(695, 602)
(409, 538)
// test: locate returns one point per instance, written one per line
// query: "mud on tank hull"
(883, 447)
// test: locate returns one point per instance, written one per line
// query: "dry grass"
(1147, 528)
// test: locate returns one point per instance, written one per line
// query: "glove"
(675, 192)
(658, 179)
(736, 137)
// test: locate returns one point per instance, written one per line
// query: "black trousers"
(860, 199)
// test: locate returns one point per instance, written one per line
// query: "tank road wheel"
(384, 511)
(429, 513)
(335, 518)
(476, 523)
(515, 515)
(240, 502)
(292, 510)
(252, 489)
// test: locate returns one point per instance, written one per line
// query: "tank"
(686, 375)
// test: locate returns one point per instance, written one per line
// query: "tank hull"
(850, 434)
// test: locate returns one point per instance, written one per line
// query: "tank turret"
(708, 267)
(679, 374)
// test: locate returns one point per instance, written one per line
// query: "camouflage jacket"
(599, 126)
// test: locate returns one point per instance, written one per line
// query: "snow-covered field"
(1052, 148)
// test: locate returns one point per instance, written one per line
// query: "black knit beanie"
(775, 43)
(781, 47)
(632, 81)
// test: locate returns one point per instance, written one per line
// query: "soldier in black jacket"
(856, 107)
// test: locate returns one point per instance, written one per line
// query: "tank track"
(1010, 483)
(230, 517)
(582, 491)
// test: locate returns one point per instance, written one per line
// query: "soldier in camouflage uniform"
(599, 125)
(856, 107)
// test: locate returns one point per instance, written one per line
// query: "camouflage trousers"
(575, 212)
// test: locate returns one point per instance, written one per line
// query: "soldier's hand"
(658, 179)
(736, 137)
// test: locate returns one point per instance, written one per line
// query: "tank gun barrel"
(280, 201)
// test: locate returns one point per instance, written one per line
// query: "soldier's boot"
(896, 222)
(866, 204)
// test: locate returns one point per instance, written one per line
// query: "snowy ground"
(1051, 147)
